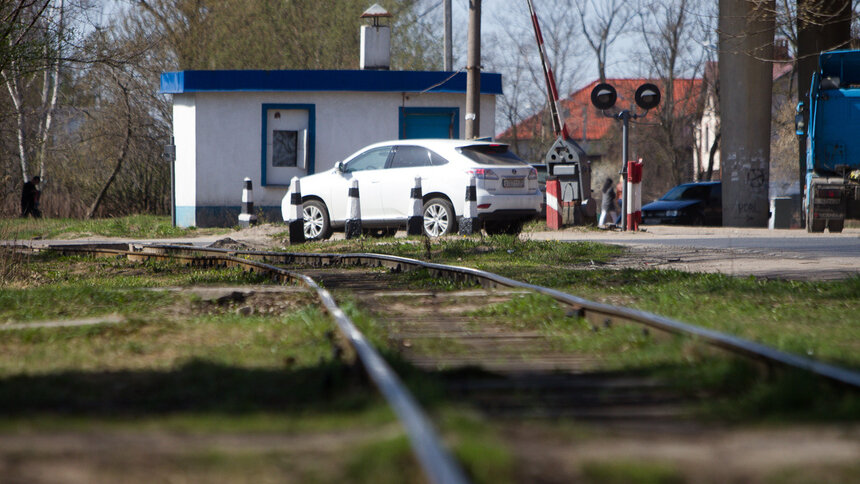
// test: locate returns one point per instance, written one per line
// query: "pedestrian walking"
(30, 198)
(607, 204)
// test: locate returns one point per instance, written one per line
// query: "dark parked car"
(687, 204)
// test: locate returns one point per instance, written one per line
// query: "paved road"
(846, 244)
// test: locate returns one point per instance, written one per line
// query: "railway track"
(503, 372)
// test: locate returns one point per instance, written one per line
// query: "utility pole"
(448, 41)
(746, 86)
(473, 72)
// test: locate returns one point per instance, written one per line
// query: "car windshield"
(491, 155)
(688, 192)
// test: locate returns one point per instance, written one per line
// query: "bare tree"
(514, 53)
(668, 32)
(602, 22)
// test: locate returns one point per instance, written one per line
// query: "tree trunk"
(122, 154)
(712, 155)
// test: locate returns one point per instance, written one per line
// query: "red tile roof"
(687, 94)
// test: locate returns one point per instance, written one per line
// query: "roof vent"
(375, 40)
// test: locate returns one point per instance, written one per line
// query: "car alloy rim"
(435, 220)
(313, 221)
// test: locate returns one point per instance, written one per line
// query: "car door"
(714, 206)
(366, 167)
(406, 163)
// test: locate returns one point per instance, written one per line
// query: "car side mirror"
(338, 167)
(799, 123)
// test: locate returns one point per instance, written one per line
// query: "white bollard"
(297, 213)
(353, 216)
(415, 222)
(247, 217)
(469, 224)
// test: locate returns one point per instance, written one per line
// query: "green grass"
(133, 226)
(630, 472)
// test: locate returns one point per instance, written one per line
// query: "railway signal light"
(647, 96)
(603, 96)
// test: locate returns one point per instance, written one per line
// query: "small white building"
(274, 125)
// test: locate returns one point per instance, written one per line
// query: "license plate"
(513, 182)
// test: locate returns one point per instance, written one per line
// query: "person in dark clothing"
(30, 198)
(607, 205)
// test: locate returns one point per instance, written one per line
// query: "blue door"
(429, 123)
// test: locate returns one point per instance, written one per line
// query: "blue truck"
(832, 192)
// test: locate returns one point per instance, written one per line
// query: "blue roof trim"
(367, 81)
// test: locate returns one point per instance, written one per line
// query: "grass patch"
(631, 472)
(133, 226)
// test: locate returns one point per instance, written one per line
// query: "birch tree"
(39, 23)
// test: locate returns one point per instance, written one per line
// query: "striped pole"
(558, 123)
(247, 217)
(415, 222)
(553, 194)
(353, 216)
(469, 224)
(634, 194)
(297, 213)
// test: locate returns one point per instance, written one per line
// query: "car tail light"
(484, 174)
(484, 206)
(533, 174)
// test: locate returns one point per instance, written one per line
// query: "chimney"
(375, 41)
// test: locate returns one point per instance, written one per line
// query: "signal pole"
(473, 72)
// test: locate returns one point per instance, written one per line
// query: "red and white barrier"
(634, 194)
(553, 206)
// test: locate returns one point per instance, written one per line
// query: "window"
(414, 157)
(285, 148)
(491, 155)
(373, 159)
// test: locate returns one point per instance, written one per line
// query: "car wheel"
(317, 224)
(439, 218)
(835, 226)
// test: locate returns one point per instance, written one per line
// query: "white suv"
(507, 188)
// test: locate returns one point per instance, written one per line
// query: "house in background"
(274, 125)
(271, 126)
(600, 136)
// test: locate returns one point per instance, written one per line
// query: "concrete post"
(415, 222)
(746, 80)
(353, 216)
(469, 224)
(297, 212)
(247, 217)
(473, 72)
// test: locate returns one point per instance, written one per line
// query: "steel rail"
(437, 463)
(584, 306)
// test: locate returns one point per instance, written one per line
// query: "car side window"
(369, 160)
(413, 157)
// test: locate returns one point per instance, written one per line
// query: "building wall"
(185, 174)
(219, 138)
